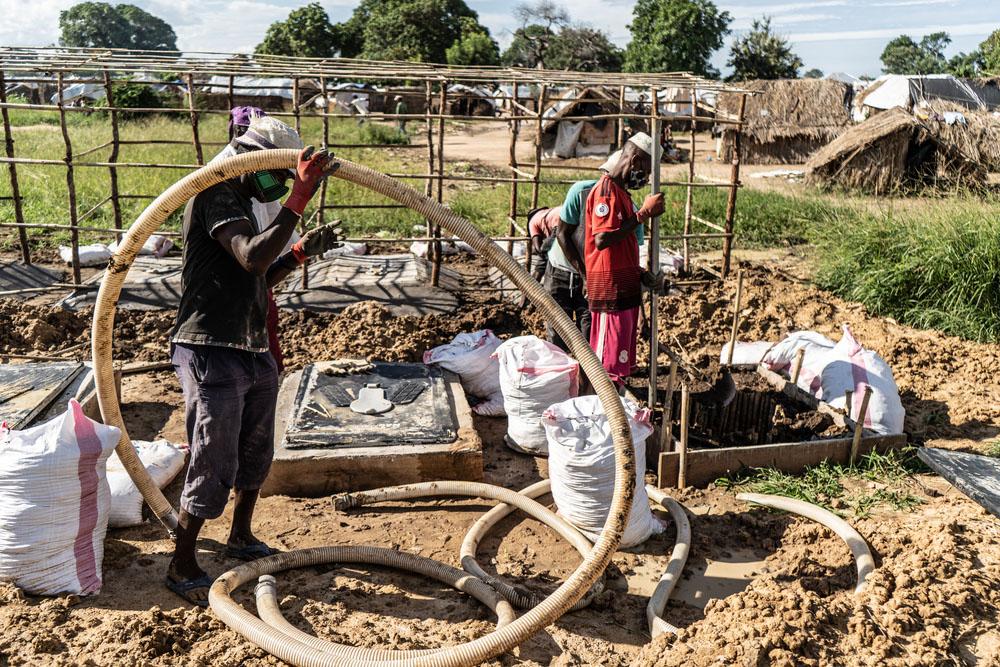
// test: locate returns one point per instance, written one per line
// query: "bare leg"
(184, 564)
(240, 534)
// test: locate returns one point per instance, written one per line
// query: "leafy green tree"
(583, 49)
(528, 47)
(307, 32)
(905, 56)
(990, 50)
(966, 65)
(675, 35)
(761, 54)
(814, 73)
(417, 30)
(102, 25)
(474, 47)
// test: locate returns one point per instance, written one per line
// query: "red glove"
(312, 168)
(651, 207)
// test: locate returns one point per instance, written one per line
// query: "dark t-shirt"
(221, 303)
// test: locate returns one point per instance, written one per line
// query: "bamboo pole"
(113, 158)
(654, 256)
(70, 183)
(536, 180)
(666, 428)
(736, 318)
(230, 98)
(429, 183)
(800, 356)
(515, 127)
(859, 425)
(436, 267)
(15, 190)
(194, 121)
(734, 181)
(682, 449)
(620, 138)
(689, 196)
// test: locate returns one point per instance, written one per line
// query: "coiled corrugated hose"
(235, 616)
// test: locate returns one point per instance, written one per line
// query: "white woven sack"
(161, 460)
(582, 467)
(470, 356)
(95, 254)
(54, 502)
(818, 349)
(534, 374)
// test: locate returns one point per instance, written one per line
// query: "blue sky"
(833, 35)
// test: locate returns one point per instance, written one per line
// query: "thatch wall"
(788, 119)
(978, 138)
(889, 153)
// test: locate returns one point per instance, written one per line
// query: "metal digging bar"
(235, 616)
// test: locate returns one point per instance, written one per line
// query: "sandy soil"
(934, 598)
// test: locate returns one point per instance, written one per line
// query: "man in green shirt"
(400, 110)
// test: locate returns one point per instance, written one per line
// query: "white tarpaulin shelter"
(897, 90)
(247, 86)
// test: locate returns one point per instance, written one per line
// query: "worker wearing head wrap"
(219, 344)
(611, 255)
(401, 109)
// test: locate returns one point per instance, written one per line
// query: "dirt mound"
(948, 385)
(934, 589)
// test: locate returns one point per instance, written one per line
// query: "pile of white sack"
(582, 467)
(162, 461)
(54, 502)
(534, 374)
(470, 356)
(98, 254)
(829, 370)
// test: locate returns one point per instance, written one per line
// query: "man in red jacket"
(611, 256)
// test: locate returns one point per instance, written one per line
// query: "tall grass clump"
(939, 269)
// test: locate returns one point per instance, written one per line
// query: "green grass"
(935, 267)
(993, 449)
(823, 484)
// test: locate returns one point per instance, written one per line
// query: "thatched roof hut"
(568, 138)
(975, 133)
(891, 152)
(787, 120)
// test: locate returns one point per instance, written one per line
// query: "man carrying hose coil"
(615, 277)
(219, 345)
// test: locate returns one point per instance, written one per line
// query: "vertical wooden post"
(326, 143)
(536, 180)
(70, 182)
(298, 129)
(194, 120)
(436, 267)
(515, 127)
(666, 430)
(689, 197)
(654, 252)
(113, 158)
(230, 97)
(15, 189)
(859, 425)
(295, 104)
(736, 318)
(682, 449)
(800, 356)
(620, 139)
(734, 185)
(429, 183)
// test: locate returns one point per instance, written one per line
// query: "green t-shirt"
(572, 214)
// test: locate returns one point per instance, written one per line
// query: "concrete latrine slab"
(322, 446)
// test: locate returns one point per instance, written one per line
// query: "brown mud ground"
(934, 599)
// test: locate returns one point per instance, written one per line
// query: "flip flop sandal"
(184, 588)
(250, 552)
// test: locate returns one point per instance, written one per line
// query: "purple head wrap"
(241, 116)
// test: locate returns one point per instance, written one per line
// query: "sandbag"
(95, 254)
(54, 502)
(161, 460)
(746, 354)
(534, 374)
(156, 245)
(851, 367)
(582, 467)
(470, 356)
(817, 353)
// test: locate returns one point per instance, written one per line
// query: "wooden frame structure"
(108, 68)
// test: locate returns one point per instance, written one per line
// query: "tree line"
(666, 35)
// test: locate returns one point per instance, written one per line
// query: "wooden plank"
(704, 466)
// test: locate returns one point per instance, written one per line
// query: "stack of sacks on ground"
(98, 254)
(830, 370)
(162, 462)
(54, 502)
(534, 374)
(470, 356)
(582, 467)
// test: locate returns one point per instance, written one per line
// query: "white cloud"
(913, 3)
(888, 33)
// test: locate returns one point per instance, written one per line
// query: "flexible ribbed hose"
(270, 612)
(678, 558)
(863, 560)
(517, 596)
(239, 619)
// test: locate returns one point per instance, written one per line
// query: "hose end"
(266, 584)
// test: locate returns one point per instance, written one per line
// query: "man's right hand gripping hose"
(313, 167)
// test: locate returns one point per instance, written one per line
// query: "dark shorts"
(567, 291)
(230, 398)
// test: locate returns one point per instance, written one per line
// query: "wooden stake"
(654, 257)
(194, 120)
(113, 158)
(689, 197)
(859, 425)
(429, 183)
(515, 126)
(70, 182)
(15, 189)
(666, 430)
(734, 185)
(736, 318)
(797, 366)
(538, 146)
(436, 245)
(682, 450)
